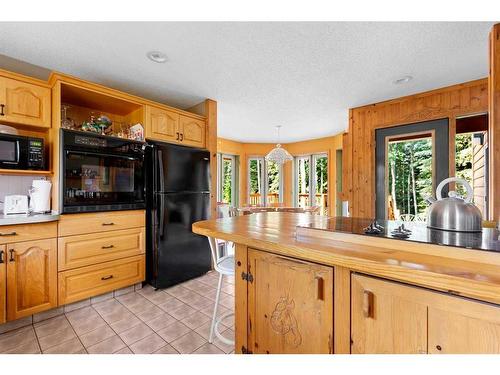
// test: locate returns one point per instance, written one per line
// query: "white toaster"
(15, 204)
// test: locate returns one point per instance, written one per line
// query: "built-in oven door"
(101, 182)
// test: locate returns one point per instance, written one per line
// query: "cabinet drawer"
(88, 249)
(27, 232)
(74, 224)
(85, 282)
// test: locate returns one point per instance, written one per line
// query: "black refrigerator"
(177, 195)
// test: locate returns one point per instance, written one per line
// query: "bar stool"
(224, 265)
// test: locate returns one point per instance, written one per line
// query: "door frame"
(441, 156)
(234, 177)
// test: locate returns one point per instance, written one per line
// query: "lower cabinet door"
(31, 277)
(460, 326)
(290, 305)
(387, 317)
(3, 285)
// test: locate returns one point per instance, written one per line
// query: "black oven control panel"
(90, 141)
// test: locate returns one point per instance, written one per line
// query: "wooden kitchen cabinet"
(24, 103)
(162, 125)
(31, 277)
(386, 318)
(192, 131)
(290, 305)
(389, 317)
(3, 284)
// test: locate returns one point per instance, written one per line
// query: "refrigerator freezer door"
(180, 254)
(181, 168)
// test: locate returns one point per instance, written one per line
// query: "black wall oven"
(101, 173)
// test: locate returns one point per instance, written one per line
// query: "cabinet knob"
(1, 256)
(438, 347)
(107, 247)
(177, 136)
(320, 288)
(2, 106)
(105, 224)
(11, 252)
(182, 137)
(7, 234)
(107, 277)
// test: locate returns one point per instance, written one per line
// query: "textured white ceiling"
(303, 76)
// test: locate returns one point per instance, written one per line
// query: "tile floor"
(170, 321)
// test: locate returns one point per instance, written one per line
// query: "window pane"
(321, 182)
(227, 169)
(303, 185)
(273, 182)
(255, 174)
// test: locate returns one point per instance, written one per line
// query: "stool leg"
(219, 287)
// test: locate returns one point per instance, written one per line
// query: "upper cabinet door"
(24, 103)
(31, 277)
(387, 318)
(290, 305)
(192, 131)
(162, 125)
(3, 284)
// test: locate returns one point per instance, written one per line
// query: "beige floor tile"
(171, 305)
(173, 331)
(182, 312)
(117, 315)
(227, 301)
(209, 310)
(108, 306)
(76, 305)
(167, 349)
(204, 330)
(56, 338)
(72, 346)
(81, 314)
(30, 347)
(195, 320)
(150, 313)
(96, 336)
(158, 297)
(51, 326)
(161, 321)
(148, 344)
(188, 343)
(208, 349)
(108, 346)
(135, 334)
(15, 324)
(84, 326)
(125, 324)
(16, 338)
(200, 303)
(125, 350)
(178, 291)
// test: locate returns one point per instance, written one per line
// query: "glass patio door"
(311, 181)
(265, 185)
(227, 180)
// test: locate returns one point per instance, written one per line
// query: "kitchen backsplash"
(10, 185)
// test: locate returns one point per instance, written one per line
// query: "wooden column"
(494, 123)
(211, 115)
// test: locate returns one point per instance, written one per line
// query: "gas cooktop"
(487, 240)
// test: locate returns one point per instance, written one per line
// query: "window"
(311, 181)
(264, 182)
(227, 180)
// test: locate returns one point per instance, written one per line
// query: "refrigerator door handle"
(160, 167)
(162, 215)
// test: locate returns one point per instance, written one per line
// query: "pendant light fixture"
(279, 154)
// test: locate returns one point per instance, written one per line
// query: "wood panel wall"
(494, 123)
(358, 178)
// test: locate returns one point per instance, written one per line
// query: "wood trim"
(494, 123)
(23, 78)
(341, 312)
(241, 303)
(211, 145)
(3, 285)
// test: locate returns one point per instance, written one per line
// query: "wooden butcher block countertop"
(460, 271)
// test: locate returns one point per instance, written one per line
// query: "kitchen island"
(304, 290)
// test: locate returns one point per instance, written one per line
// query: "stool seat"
(225, 265)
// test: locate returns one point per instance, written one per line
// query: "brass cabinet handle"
(2, 106)
(12, 259)
(367, 304)
(8, 234)
(177, 136)
(107, 277)
(182, 137)
(107, 247)
(111, 223)
(1, 256)
(320, 288)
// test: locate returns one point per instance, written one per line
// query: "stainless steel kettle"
(454, 213)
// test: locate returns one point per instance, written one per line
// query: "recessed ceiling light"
(403, 80)
(157, 56)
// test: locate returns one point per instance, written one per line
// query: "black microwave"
(20, 152)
